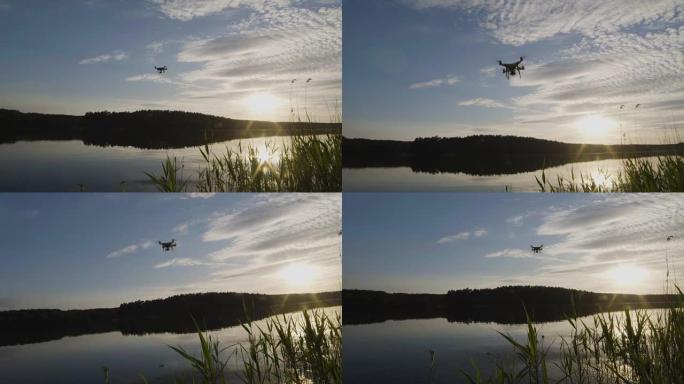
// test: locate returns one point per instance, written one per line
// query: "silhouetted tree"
(486, 154)
(505, 305)
(145, 129)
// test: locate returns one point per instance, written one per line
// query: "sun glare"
(262, 103)
(268, 154)
(595, 126)
(627, 275)
(298, 274)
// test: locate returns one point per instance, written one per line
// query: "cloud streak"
(129, 249)
(263, 53)
(434, 83)
(465, 235)
(609, 53)
(185, 10)
(258, 239)
(483, 102)
(511, 253)
(603, 233)
(116, 55)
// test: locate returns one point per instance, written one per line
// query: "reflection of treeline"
(173, 314)
(501, 305)
(145, 129)
(486, 154)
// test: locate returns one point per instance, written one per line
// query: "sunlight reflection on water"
(63, 165)
(80, 359)
(404, 179)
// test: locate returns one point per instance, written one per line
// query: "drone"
(167, 245)
(670, 238)
(161, 70)
(512, 68)
(537, 248)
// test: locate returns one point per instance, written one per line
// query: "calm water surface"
(80, 359)
(34, 166)
(405, 179)
(397, 351)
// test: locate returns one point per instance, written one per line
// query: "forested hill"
(172, 314)
(502, 305)
(486, 154)
(145, 129)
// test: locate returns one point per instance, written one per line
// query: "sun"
(262, 103)
(596, 126)
(267, 153)
(298, 274)
(627, 275)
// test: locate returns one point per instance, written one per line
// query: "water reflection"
(408, 179)
(398, 351)
(33, 166)
(80, 359)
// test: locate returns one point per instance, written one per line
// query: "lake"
(397, 351)
(61, 166)
(372, 179)
(80, 359)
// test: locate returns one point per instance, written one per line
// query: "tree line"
(506, 305)
(149, 129)
(173, 314)
(486, 154)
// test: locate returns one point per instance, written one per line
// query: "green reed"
(637, 348)
(666, 174)
(284, 350)
(171, 178)
(309, 163)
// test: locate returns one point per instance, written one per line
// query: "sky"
(434, 242)
(232, 58)
(417, 68)
(99, 250)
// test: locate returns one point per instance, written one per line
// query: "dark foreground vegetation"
(149, 129)
(630, 348)
(294, 350)
(173, 314)
(485, 155)
(504, 305)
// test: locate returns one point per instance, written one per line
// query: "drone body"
(537, 248)
(161, 70)
(168, 245)
(512, 68)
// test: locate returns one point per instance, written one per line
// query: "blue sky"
(99, 250)
(433, 242)
(429, 67)
(233, 58)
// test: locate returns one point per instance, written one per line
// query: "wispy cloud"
(615, 53)
(185, 10)
(264, 52)
(180, 262)
(600, 234)
(181, 228)
(517, 22)
(518, 220)
(465, 235)
(154, 78)
(490, 71)
(116, 55)
(512, 253)
(156, 47)
(483, 102)
(445, 81)
(130, 249)
(203, 195)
